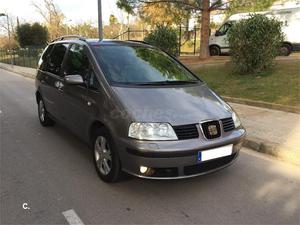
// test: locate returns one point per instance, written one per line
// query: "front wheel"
(214, 50)
(44, 118)
(106, 158)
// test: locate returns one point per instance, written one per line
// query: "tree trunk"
(205, 22)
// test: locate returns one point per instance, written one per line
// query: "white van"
(290, 17)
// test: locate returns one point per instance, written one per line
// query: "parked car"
(290, 17)
(140, 109)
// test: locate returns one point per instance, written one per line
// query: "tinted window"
(56, 58)
(93, 82)
(77, 62)
(138, 64)
(44, 60)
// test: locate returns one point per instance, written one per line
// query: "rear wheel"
(214, 50)
(106, 158)
(44, 118)
(285, 50)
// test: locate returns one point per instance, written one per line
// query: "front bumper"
(176, 159)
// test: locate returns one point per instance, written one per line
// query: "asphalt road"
(52, 171)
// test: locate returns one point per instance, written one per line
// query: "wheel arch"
(38, 96)
(93, 127)
(214, 45)
(288, 44)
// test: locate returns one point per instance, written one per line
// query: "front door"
(74, 104)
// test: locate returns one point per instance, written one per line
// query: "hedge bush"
(254, 43)
(164, 38)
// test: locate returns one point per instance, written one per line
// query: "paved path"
(271, 125)
(277, 129)
(52, 171)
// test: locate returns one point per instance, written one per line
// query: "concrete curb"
(282, 152)
(268, 105)
(279, 151)
(24, 71)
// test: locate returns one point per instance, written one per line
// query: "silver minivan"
(141, 111)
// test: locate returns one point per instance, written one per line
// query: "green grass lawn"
(280, 85)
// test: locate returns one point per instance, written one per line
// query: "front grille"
(211, 129)
(228, 124)
(209, 165)
(186, 131)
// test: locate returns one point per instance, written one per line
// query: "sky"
(76, 11)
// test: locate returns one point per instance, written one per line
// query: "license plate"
(215, 153)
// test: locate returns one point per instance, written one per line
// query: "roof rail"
(143, 42)
(69, 37)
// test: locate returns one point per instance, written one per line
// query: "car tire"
(106, 157)
(214, 50)
(285, 50)
(44, 118)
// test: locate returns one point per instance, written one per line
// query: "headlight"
(236, 120)
(152, 131)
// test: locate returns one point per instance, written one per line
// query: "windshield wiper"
(168, 82)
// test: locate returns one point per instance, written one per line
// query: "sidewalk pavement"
(271, 131)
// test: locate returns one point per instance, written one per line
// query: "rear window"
(140, 65)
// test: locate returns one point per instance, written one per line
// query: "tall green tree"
(201, 7)
(32, 35)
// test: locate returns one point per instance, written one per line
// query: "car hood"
(173, 104)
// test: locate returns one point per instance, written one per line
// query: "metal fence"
(189, 40)
(189, 44)
(27, 57)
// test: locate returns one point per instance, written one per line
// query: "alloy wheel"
(103, 155)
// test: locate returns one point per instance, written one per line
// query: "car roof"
(104, 42)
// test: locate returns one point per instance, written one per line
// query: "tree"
(39, 34)
(85, 29)
(254, 43)
(162, 13)
(52, 16)
(32, 35)
(113, 20)
(248, 6)
(165, 38)
(202, 7)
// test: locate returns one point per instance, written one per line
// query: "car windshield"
(141, 65)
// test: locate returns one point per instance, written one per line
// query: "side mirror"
(74, 79)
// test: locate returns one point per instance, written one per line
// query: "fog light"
(143, 169)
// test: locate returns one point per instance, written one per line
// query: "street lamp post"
(8, 31)
(100, 28)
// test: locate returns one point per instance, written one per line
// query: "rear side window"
(56, 58)
(77, 62)
(45, 57)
